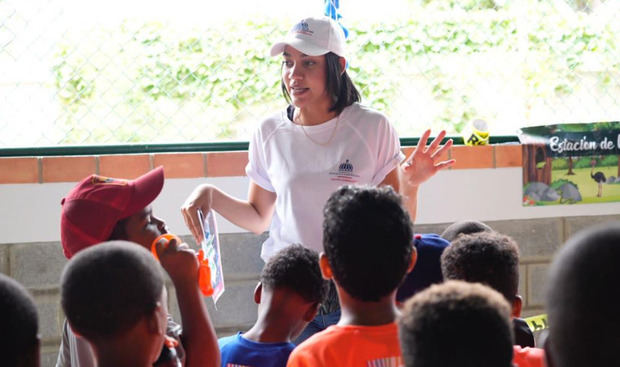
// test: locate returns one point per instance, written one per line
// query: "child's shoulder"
(228, 341)
(325, 348)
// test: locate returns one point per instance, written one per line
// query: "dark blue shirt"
(238, 351)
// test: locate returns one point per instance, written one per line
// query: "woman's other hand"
(423, 163)
(200, 199)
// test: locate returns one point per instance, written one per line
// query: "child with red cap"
(100, 209)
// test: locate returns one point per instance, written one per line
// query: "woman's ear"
(343, 64)
(326, 269)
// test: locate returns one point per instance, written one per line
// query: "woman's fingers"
(445, 164)
(422, 142)
(199, 199)
(435, 143)
(438, 152)
(190, 216)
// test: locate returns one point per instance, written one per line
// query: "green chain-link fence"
(436, 63)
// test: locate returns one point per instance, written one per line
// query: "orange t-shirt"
(350, 345)
(528, 357)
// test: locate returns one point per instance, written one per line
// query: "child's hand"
(179, 261)
(420, 165)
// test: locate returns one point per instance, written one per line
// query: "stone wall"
(38, 267)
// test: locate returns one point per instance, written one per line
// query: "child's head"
(323, 38)
(490, 258)
(427, 270)
(292, 285)
(19, 325)
(456, 324)
(583, 300)
(464, 227)
(113, 293)
(367, 238)
(99, 209)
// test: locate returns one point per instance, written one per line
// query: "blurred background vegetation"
(443, 64)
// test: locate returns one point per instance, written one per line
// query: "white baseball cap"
(314, 37)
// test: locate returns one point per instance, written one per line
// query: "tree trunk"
(532, 155)
(570, 167)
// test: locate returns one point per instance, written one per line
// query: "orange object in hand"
(204, 271)
(204, 275)
(167, 237)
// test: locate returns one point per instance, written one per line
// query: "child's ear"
(413, 260)
(311, 312)
(73, 330)
(517, 304)
(326, 269)
(258, 292)
(154, 322)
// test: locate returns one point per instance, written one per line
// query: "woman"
(324, 139)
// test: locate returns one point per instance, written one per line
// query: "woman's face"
(305, 78)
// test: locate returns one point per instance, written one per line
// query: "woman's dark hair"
(338, 85)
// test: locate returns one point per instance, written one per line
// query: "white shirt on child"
(304, 165)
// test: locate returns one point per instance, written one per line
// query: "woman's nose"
(295, 72)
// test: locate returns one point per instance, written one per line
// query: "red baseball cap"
(91, 210)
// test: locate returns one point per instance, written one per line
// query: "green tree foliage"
(152, 82)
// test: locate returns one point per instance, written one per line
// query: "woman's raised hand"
(422, 163)
(200, 199)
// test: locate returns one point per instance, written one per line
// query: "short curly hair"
(296, 268)
(470, 322)
(464, 227)
(106, 289)
(490, 258)
(19, 323)
(368, 240)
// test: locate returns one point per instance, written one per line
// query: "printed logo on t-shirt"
(345, 173)
(386, 362)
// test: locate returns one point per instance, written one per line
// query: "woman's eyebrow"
(286, 54)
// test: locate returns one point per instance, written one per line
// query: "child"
(427, 271)
(464, 227)
(288, 296)
(583, 300)
(19, 339)
(491, 258)
(456, 324)
(113, 295)
(100, 209)
(367, 240)
(429, 247)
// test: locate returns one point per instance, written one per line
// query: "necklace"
(331, 137)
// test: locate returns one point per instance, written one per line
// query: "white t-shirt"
(363, 149)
